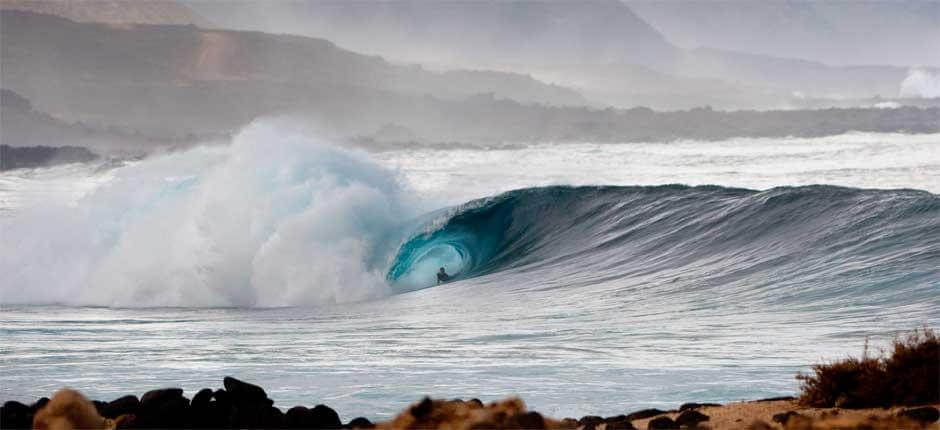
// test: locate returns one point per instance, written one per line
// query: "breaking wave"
(811, 242)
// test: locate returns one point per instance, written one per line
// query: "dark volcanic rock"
(15, 415)
(12, 157)
(124, 405)
(165, 408)
(619, 422)
(645, 413)
(662, 423)
(297, 417)
(783, 417)
(324, 417)
(217, 415)
(39, 404)
(360, 423)
(202, 415)
(244, 393)
(691, 418)
(926, 414)
(686, 406)
(529, 420)
(201, 399)
(273, 418)
(159, 397)
(222, 397)
(589, 422)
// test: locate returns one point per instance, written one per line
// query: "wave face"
(811, 243)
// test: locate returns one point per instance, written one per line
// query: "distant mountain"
(146, 77)
(112, 11)
(599, 47)
(859, 32)
(459, 32)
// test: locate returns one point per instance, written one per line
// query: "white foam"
(276, 218)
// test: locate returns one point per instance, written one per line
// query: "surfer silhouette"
(442, 276)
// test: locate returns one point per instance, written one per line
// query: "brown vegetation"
(909, 376)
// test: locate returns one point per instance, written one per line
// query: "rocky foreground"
(247, 406)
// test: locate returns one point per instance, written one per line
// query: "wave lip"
(817, 241)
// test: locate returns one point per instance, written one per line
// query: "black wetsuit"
(442, 277)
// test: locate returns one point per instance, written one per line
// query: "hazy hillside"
(599, 47)
(863, 32)
(112, 11)
(148, 77)
(458, 32)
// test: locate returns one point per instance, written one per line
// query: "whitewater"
(590, 278)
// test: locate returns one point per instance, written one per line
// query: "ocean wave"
(788, 243)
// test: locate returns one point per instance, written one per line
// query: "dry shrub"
(909, 376)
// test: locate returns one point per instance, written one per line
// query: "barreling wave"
(279, 219)
(811, 241)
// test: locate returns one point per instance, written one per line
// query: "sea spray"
(275, 218)
(920, 83)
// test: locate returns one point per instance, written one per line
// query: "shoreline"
(242, 404)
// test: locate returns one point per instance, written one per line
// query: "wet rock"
(15, 415)
(273, 418)
(324, 417)
(201, 399)
(926, 414)
(662, 423)
(217, 415)
(165, 408)
(645, 413)
(158, 397)
(248, 404)
(297, 418)
(619, 422)
(687, 406)
(691, 418)
(360, 423)
(123, 405)
(200, 411)
(590, 422)
(242, 392)
(783, 417)
(476, 401)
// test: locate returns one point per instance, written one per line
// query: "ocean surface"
(588, 278)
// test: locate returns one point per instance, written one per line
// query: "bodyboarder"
(442, 276)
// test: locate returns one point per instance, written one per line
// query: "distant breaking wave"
(920, 83)
(812, 242)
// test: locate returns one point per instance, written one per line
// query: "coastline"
(245, 405)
